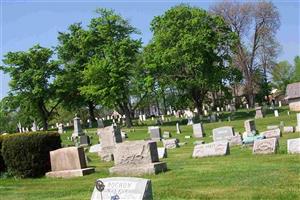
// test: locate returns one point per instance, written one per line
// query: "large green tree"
(75, 49)
(282, 75)
(31, 85)
(109, 73)
(190, 49)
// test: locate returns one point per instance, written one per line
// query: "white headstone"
(198, 130)
(265, 146)
(288, 129)
(293, 146)
(279, 104)
(211, 149)
(276, 114)
(123, 188)
(178, 131)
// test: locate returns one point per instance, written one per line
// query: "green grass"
(239, 175)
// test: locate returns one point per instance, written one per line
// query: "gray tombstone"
(198, 130)
(100, 123)
(77, 128)
(68, 162)
(223, 133)
(123, 188)
(219, 148)
(137, 158)
(258, 113)
(155, 133)
(293, 146)
(265, 146)
(109, 137)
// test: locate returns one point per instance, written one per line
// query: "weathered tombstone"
(219, 148)
(293, 146)
(170, 143)
(166, 135)
(271, 127)
(95, 148)
(276, 114)
(250, 127)
(60, 128)
(137, 158)
(162, 152)
(123, 188)
(109, 137)
(178, 131)
(298, 123)
(100, 123)
(198, 130)
(155, 133)
(274, 133)
(293, 96)
(68, 162)
(223, 133)
(288, 129)
(258, 113)
(265, 146)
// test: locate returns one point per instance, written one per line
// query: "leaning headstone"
(293, 146)
(223, 133)
(265, 146)
(137, 158)
(109, 137)
(274, 133)
(162, 152)
(68, 162)
(155, 133)
(258, 113)
(220, 148)
(288, 129)
(178, 131)
(198, 130)
(170, 143)
(127, 188)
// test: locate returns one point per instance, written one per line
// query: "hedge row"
(27, 154)
(2, 166)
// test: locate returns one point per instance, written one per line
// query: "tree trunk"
(91, 111)
(164, 102)
(127, 117)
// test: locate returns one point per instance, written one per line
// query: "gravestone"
(213, 117)
(109, 137)
(258, 113)
(95, 148)
(276, 114)
(34, 127)
(178, 131)
(250, 127)
(187, 137)
(190, 121)
(293, 146)
(265, 146)
(198, 130)
(60, 128)
(219, 148)
(162, 152)
(279, 104)
(100, 123)
(293, 96)
(274, 133)
(288, 129)
(235, 140)
(298, 123)
(137, 158)
(68, 162)
(170, 143)
(166, 135)
(155, 133)
(77, 128)
(223, 133)
(271, 127)
(123, 188)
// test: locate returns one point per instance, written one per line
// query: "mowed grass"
(239, 175)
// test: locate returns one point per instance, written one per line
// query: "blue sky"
(25, 23)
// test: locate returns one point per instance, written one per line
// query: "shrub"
(27, 154)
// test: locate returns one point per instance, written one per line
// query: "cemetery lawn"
(239, 175)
